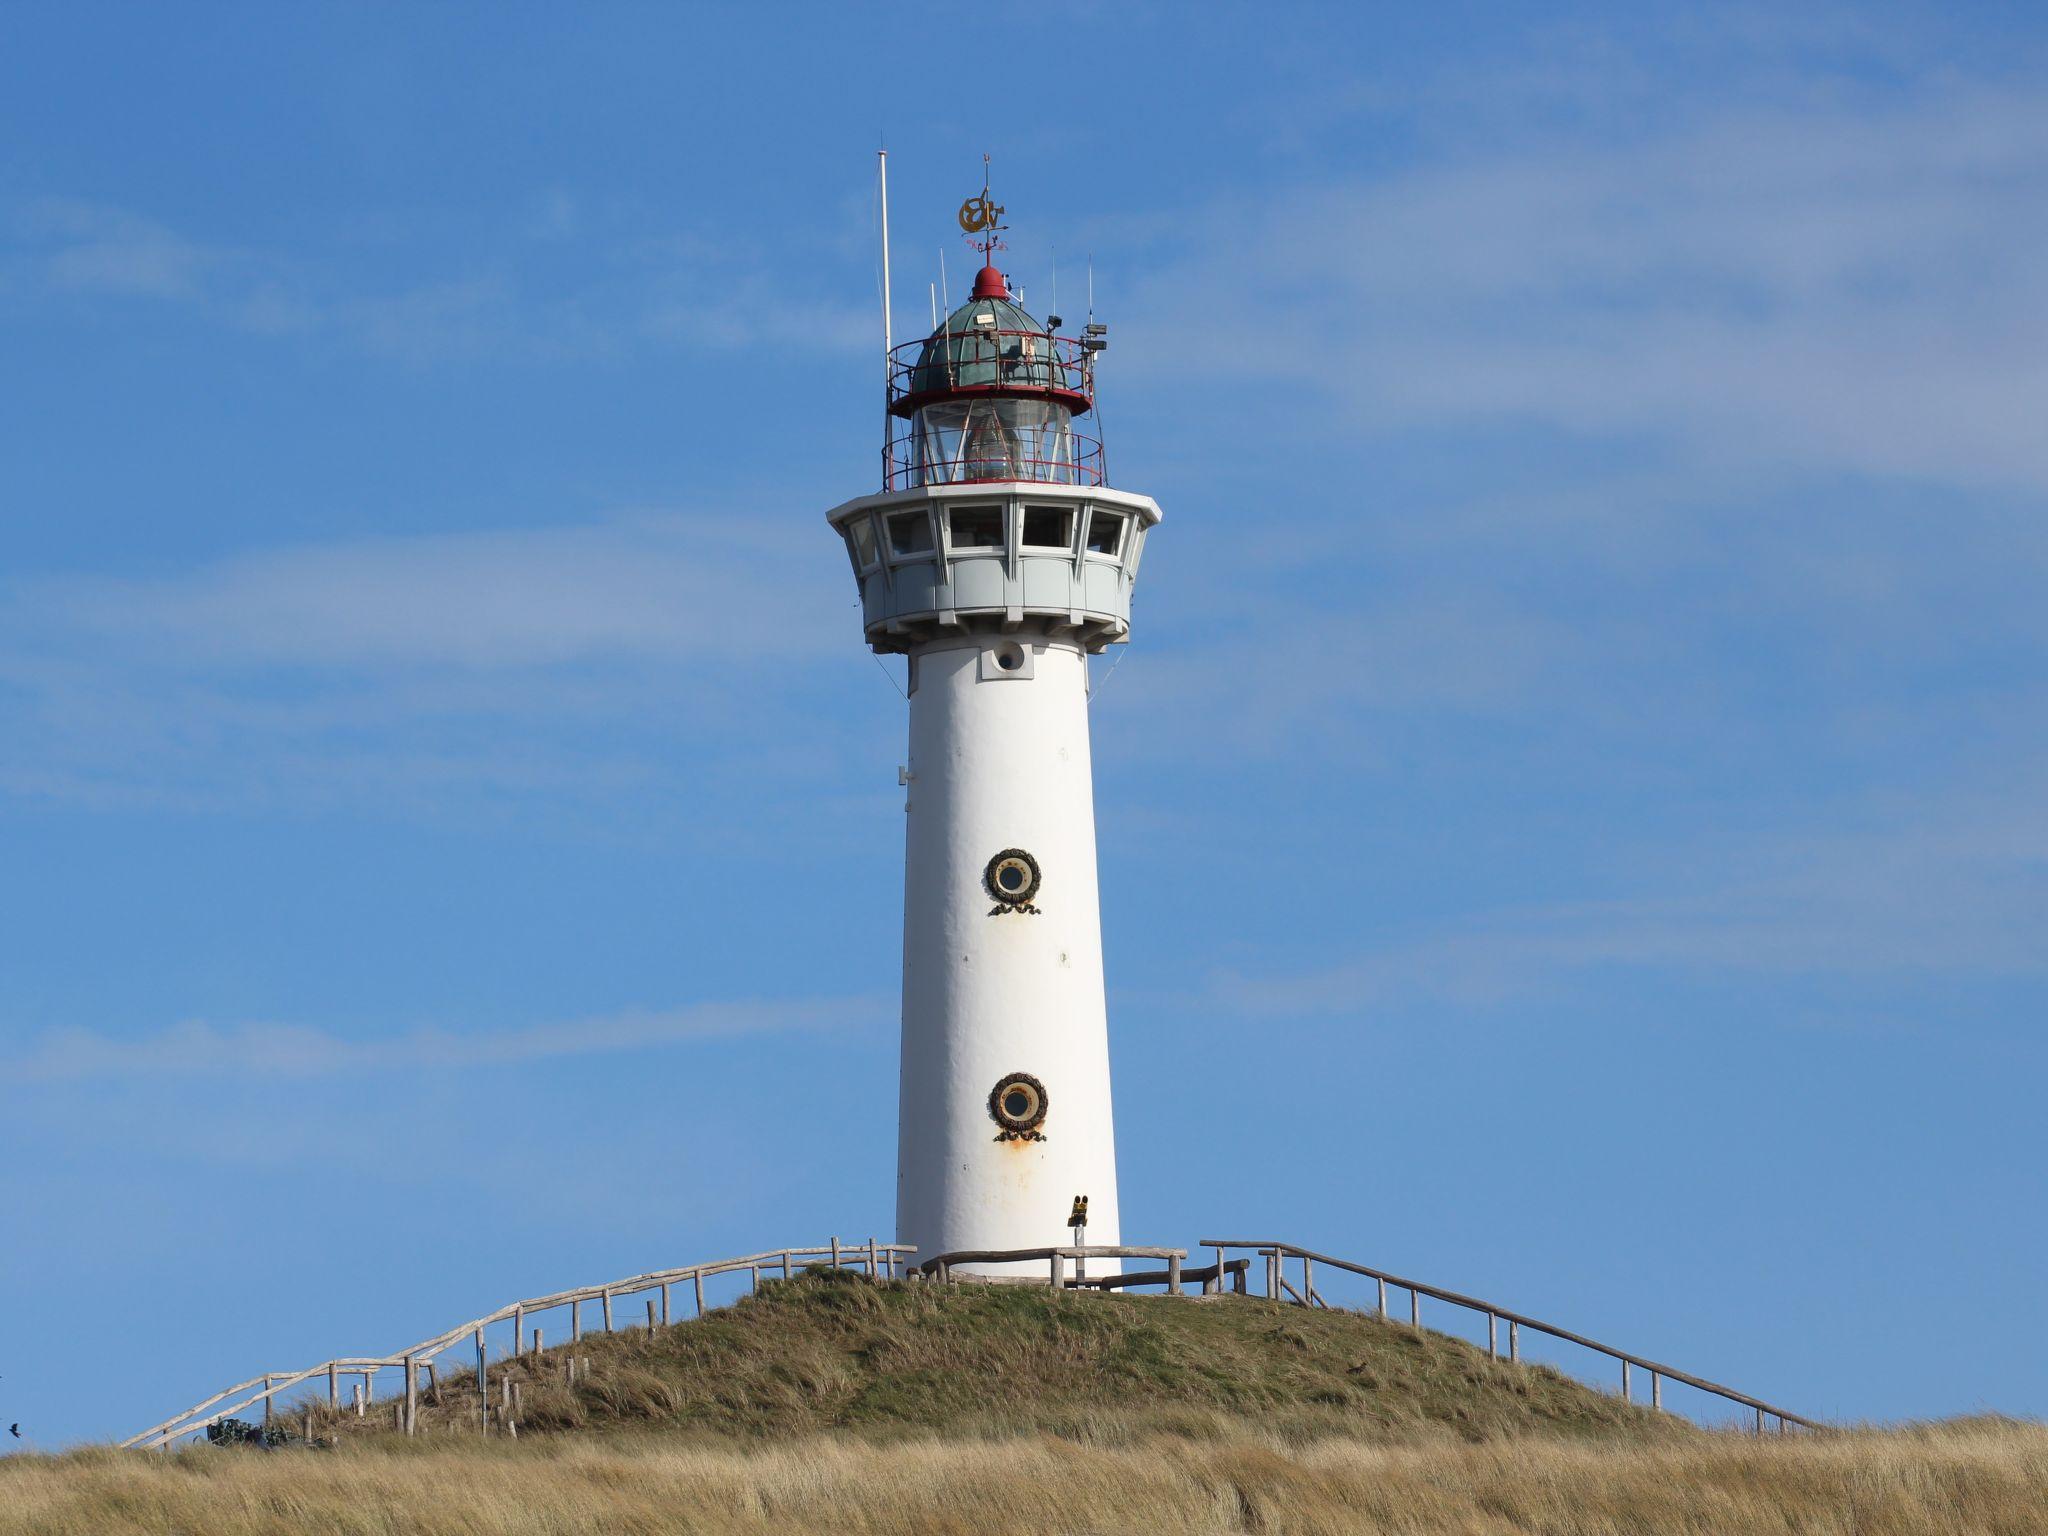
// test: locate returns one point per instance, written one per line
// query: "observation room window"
(970, 528)
(910, 533)
(1105, 534)
(863, 543)
(1049, 527)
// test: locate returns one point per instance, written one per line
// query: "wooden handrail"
(1024, 1255)
(265, 1387)
(270, 1383)
(1473, 1303)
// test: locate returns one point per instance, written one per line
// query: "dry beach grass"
(1988, 1477)
(830, 1403)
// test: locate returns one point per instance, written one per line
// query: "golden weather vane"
(980, 215)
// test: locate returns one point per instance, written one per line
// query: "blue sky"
(1571, 817)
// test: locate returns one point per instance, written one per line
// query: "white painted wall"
(1001, 762)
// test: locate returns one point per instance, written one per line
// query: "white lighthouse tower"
(998, 560)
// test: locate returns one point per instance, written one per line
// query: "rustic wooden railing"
(878, 1260)
(940, 1266)
(891, 1260)
(1277, 1253)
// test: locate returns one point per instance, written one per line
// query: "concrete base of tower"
(1005, 1114)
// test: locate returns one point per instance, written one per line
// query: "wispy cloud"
(1828, 287)
(1953, 889)
(273, 1050)
(89, 248)
(505, 293)
(582, 659)
(667, 586)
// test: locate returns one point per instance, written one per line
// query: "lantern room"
(992, 395)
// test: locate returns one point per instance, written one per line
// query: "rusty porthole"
(1017, 1104)
(1012, 877)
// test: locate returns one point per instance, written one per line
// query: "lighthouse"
(999, 561)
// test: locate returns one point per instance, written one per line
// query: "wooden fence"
(878, 1260)
(1276, 1255)
(890, 1261)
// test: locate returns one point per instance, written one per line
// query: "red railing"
(1079, 463)
(982, 358)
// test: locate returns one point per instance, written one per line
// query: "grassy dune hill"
(833, 1352)
(829, 1404)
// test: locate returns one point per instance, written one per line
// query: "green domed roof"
(992, 342)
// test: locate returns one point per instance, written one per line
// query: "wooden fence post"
(1492, 1337)
(1656, 1391)
(754, 1283)
(664, 1304)
(1222, 1274)
(835, 1253)
(873, 1272)
(1414, 1307)
(536, 1341)
(266, 1397)
(1383, 1295)
(1624, 1381)
(1308, 1283)
(650, 1314)
(1173, 1274)
(575, 1320)
(1273, 1274)
(483, 1401)
(1759, 1421)
(1514, 1341)
(333, 1387)
(518, 1332)
(607, 1311)
(785, 1263)
(412, 1395)
(697, 1276)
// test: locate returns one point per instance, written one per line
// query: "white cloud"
(1958, 885)
(605, 663)
(269, 1050)
(89, 248)
(660, 586)
(1831, 287)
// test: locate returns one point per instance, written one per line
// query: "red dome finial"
(989, 284)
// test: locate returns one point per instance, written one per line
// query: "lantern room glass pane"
(955, 441)
(863, 542)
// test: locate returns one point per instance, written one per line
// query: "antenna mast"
(888, 335)
(888, 331)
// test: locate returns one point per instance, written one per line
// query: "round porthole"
(1010, 657)
(1012, 877)
(1017, 1103)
